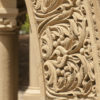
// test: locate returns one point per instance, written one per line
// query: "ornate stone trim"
(66, 49)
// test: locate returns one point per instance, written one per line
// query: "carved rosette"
(65, 49)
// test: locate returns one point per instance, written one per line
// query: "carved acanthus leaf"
(65, 49)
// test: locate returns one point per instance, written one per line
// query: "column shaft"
(8, 50)
(34, 92)
(8, 67)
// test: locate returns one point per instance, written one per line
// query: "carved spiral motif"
(65, 49)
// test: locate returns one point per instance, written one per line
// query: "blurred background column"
(8, 50)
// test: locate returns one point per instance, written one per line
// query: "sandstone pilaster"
(8, 50)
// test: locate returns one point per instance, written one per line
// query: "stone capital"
(8, 19)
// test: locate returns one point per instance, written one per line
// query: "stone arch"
(54, 25)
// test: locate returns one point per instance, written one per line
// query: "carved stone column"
(35, 71)
(8, 50)
(67, 33)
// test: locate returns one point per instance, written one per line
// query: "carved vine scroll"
(66, 50)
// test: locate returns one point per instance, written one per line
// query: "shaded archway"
(23, 47)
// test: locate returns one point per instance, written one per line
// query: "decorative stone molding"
(7, 24)
(68, 49)
(8, 19)
(96, 21)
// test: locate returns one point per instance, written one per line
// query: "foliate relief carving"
(97, 35)
(66, 49)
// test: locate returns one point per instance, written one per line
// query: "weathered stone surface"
(64, 50)
(8, 50)
(8, 67)
(67, 33)
(8, 14)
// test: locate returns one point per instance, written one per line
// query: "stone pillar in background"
(8, 50)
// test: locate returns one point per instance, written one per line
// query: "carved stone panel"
(68, 48)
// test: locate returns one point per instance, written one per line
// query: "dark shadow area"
(23, 47)
(23, 61)
(22, 13)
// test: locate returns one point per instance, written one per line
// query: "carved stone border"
(68, 48)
